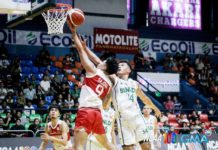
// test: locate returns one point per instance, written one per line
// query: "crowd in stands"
(29, 85)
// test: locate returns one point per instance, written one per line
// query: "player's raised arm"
(86, 62)
(147, 100)
(44, 142)
(90, 54)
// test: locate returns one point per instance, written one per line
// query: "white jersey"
(108, 118)
(150, 125)
(95, 88)
(125, 98)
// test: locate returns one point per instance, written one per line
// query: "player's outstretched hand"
(72, 28)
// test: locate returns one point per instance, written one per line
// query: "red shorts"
(90, 119)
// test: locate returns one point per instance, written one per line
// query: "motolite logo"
(123, 41)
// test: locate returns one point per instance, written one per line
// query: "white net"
(55, 20)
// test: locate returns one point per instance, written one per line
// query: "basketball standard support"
(15, 7)
(37, 8)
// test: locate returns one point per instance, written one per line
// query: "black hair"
(126, 62)
(112, 65)
(55, 106)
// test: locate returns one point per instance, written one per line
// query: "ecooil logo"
(205, 48)
(31, 38)
(144, 45)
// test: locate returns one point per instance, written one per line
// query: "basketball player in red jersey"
(56, 131)
(96, 88)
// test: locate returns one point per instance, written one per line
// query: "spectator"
(185, 129)
(213, 127)
(29, 92)
(67, 64)
(21, 117)
(57, 77)
(4, 63)
(17, 126)
(8, 119)
(169, 104)
(192, 79)
(69, 100)
(42, 108)
(35, 126)
(65, 88)
(183, 119)
(43, 59)
(19, 106)
(198, 125)
(3, 91)
(193, 130)
(9, 100)
(65, 117)
(139, 62)
(166, 127)
(212, 108)
(29, 109)
(193, 117)
(177, 105)
(197, 106)
(15, 70)
(163, 117)
(2, 128)
(4, 108)
(199, 65)
(75, 93)
(60, 99)
(45, 85)
(21, 98)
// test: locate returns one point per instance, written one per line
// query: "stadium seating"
(72, 117)
(58, 64)
(78, 65)
(3, 115)
(61, 58)
(11, 125)
(53, 58)
(33, 116)
(27, 125)
(203, 117)
(172, 118)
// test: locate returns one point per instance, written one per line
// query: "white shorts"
(131, 131)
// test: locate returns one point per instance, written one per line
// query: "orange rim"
(60, 7)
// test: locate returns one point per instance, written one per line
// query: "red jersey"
(56, 131)
(95, 88)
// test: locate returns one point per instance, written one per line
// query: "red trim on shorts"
(89, 119)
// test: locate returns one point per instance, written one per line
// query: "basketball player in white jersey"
(130, 119)
(108, 115)
(96, 88)
(151, 129)
(131, 123)
(56, 131)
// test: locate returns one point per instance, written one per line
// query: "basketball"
(76, 17)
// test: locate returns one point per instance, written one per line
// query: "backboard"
(15, 7)
(37, 7)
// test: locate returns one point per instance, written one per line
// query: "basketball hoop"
(56, 17)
